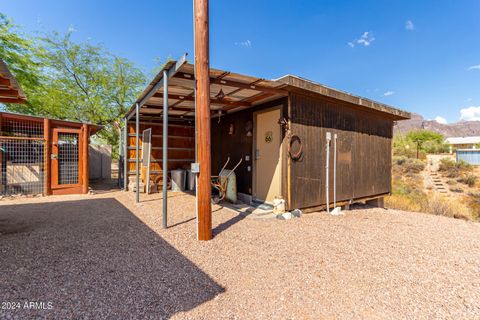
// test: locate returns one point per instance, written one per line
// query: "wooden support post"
(47, 163)
(85, 142)
(202, 106)
(2, 176)
(378, 202)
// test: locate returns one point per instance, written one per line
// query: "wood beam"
(12, 100)
(5, 82)
(216, 101)
(234, 84)
(9, 93)
(178, 108)
(202, 105)
(192, 94)
(251, 100)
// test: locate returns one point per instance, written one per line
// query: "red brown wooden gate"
(66, 161)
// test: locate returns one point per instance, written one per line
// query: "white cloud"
(388, 93)
(365, 39)
(475, 67)
(441, 120)
(409, 25)
(470, 114)
(247, 43)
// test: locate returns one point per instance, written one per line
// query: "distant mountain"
(458, 129)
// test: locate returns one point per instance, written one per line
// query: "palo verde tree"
(427, 141)
(87, 83)
(71, 81)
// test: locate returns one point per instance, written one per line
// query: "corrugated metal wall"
(470, 156)
(364, 151)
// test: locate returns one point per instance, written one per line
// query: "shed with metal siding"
(471, 156)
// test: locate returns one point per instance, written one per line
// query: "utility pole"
(202, 109)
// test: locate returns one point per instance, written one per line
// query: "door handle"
(54, 156)
(257, 154)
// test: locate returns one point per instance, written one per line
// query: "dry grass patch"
(443, 206)
(402, 202)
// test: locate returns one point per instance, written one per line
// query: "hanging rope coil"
(295, 156)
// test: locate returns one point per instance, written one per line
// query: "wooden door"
(66, 158)
(267, 155)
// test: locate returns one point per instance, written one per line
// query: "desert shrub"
(453, 173)
(473, 202)
(469, 180)
(407, 195)
(464, 166)
(445, 207)
(414, 165)
(451, 182)
(399, 160)
(403, 165)
(402, 187)
(456, 189)
(446, 164)
(453, 169)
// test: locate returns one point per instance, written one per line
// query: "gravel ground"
(103, 256)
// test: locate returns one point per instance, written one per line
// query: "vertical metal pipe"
(137, 156)
(335, 170)
(202, 108)
(125, 155)
(165, 148)
(327, 175)
(120, 157)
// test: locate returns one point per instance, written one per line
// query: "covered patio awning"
(229, 92)
(10, 90)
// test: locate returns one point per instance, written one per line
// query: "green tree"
(82, 82)
(87, 83)
(427, 141)
(18, 51)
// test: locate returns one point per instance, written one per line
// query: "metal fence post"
(165, 148)
(137, 153)
(125, 156)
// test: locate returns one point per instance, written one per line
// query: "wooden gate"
(66, 161)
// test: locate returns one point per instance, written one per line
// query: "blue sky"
(421, 56)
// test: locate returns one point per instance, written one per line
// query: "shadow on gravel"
(93, 259)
